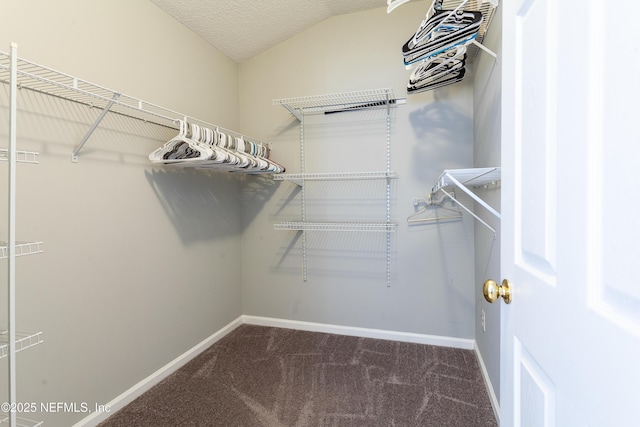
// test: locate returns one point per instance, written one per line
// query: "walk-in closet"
(166, 195)
(284, 221)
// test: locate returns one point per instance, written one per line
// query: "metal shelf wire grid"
(334, 176)
(337, 226)
(24, 340)
(22, 249)
(21, 156)
(340, 102)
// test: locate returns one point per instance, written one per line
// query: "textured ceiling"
(243, 28)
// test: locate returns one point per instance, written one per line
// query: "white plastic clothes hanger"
(238, 146)
(432, 211)
(437, 71)
(208, 137)
(217, 158)
(440, 32)
(445, 80)
(181, 149)
(252, 149)
(229, 158)
(170, 146)
(221, 141)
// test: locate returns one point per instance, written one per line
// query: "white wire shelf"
(21, 156)
(299, 178)
(21, 422)
(41, 79)
(340, 102)
(465, 179)
(337, 226)
(22, 249)
(24, 340)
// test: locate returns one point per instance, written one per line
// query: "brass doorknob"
(492, 291)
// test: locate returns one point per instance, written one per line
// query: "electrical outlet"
(483, 321)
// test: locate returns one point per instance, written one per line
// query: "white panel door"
(571, 213)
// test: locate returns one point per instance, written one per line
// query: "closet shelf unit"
(12, 341)
(465, 179)
(41, 79)
(343, 102)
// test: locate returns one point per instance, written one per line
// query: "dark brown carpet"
(262, 376)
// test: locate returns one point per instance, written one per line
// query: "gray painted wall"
(141, 263)
(487, 111)
(432, 286)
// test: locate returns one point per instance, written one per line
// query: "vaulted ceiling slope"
(242, 29)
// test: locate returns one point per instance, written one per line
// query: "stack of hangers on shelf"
(201, 147)
(438, 49)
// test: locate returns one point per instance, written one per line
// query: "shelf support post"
(303, 201)
(74, 155)
(11, 243)
(388, 191)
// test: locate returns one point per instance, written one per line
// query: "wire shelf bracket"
(74, 155)
(465, 179)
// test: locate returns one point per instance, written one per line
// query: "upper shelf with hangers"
(485, 7)
(447, 39)
(45, 80)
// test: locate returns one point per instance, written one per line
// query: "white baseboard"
(487, 382)
(137, 390)
(463, 343)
